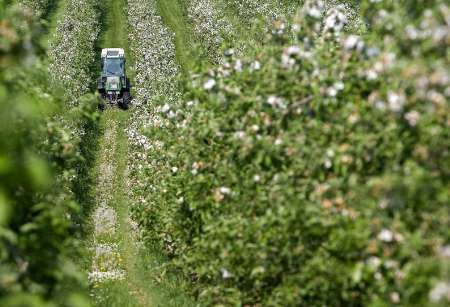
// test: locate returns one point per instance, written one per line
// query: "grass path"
(113, 245)
(50, 22)
(174, 16)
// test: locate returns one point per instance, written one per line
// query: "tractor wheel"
(126, 99)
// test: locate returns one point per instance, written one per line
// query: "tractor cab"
(113, 85)
(113, 62)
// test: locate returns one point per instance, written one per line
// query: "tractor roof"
(113, 53)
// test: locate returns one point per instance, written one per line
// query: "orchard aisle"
(113, 243)
(122, 271)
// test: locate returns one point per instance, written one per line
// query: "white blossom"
(255, 65)
(335, 20)
(353, 42)
(225, 273)
(208, 85)
(396, 101)
(238, 65)
(72, 49)
(165, 108)
(386, 235)
(441, 291)
(444, 251)
(275, 101)
(412, 117)
(225, 190)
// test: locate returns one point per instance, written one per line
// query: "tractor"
(114, 85)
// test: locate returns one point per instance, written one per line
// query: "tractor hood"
(113, 84)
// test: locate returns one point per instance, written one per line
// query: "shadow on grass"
(83, 186)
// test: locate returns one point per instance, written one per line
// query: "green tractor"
(114, 85)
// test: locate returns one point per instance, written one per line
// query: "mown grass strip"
(113, 153)
(174, 16)
(114, 35)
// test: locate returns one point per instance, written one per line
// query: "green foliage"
(320, 178)
(38, 7)
(39, 158)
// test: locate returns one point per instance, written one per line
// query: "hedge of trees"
(315, 172)
(41, 161)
